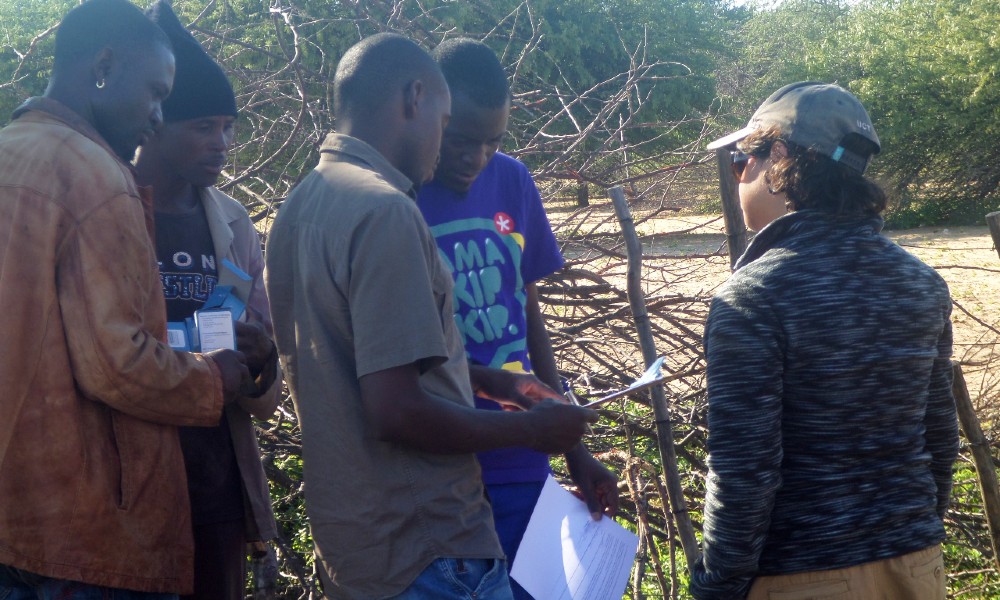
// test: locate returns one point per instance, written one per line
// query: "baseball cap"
(820, 116)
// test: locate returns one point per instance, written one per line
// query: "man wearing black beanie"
(197, 226)
(92, 479)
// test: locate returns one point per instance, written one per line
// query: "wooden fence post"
(982, 456)
(664, 430)
(993, 220)
(732, 214)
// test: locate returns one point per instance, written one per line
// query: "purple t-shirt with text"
(495, 239)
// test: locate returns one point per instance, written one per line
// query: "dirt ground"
(964, 256)
(967, 260)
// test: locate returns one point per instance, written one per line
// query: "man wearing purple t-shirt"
(491, 230)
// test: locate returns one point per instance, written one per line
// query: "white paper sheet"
(649, 378)
(215, 330)
(566, 555)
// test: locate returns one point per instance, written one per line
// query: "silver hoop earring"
(100, 84)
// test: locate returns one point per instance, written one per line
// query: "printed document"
(566, 555)
(215, 330)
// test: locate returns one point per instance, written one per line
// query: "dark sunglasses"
(739, 163)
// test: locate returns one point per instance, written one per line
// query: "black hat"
(814, 115)
(201, 88)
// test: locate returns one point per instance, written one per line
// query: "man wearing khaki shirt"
(364, 328)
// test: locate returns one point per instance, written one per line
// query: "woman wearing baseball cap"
(832, 428)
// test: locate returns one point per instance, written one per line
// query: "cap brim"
(732, 138)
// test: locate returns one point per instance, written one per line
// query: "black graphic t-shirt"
(187, 262)
(189, 273)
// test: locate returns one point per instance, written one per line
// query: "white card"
(215, 330)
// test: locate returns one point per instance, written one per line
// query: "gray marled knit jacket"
(832, 427)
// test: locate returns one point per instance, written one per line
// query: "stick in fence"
(993, 220)
(982, 456)
(664, 431)
(732, 214)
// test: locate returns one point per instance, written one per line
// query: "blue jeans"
(460, 579)
(16, 584)
(512, 505)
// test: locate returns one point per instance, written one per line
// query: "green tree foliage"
(926, 70)
(933, 83)
(592, 79)
(26, 45)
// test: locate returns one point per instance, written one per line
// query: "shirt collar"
(806, 221)
(361, 151)
(59, 111)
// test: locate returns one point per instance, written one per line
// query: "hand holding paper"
(234, 373)
(595, 484)
(556, 427)
(511, 390)
(253, 341)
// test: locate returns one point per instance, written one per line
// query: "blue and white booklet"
(206, 332)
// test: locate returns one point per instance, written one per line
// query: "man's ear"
(102, 65)
(413, 96)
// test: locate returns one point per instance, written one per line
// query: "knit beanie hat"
(201, 88)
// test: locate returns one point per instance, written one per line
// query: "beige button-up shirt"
(357, 286)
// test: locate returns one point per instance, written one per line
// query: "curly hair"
(814, 181)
